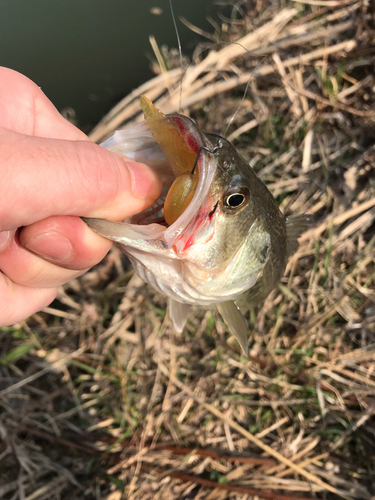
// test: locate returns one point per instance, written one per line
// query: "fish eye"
(236, 198)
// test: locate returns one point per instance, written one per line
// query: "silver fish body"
(231, 238)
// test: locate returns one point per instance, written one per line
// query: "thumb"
(46, 177)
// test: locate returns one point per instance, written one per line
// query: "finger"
(76, 178)
(27, 269)
(19, 302)
(24, 108)
(5, 239)
(66, 242)
(66, 259)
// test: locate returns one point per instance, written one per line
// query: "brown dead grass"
(101, 400)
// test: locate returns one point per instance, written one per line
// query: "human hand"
(51, 174)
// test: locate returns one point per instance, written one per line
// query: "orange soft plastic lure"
(180, 156)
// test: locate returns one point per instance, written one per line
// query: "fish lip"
(206, 167)
(200, 227)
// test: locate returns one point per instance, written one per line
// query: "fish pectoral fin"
(178, 312)
(253, 296)
(295, 226)
(235, 322)
(111, 230)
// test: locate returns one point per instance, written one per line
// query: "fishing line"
(244, 94)
(196, 57)
(179, 49)
(204, 148)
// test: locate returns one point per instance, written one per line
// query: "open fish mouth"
(173, 148)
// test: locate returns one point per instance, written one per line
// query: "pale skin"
(51, 175)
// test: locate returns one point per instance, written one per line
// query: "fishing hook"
(205, 148)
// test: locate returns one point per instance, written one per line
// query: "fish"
(215, 234)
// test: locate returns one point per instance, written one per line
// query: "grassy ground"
(100, 400)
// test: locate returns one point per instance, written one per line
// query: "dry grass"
(99, 398)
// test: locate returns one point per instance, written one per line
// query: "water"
(87, 54)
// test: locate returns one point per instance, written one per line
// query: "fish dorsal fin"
(235, 322)
(295, 226)
(178, 313)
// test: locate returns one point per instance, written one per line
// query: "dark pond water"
(87, 54)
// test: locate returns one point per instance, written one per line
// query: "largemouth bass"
(215, 233)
